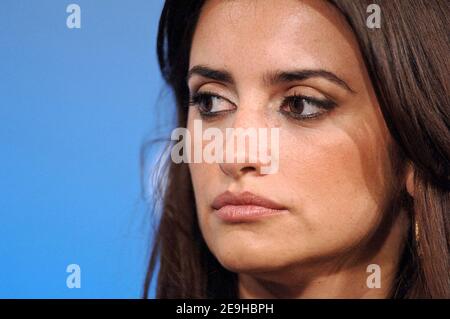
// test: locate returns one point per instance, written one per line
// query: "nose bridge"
(251, 110)
(243, 137)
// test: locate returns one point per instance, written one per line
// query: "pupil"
(297, 106)
(207, 103)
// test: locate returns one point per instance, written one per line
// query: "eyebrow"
(271, 78)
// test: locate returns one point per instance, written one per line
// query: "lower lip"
(246, 213)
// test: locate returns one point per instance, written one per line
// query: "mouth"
(244, 207)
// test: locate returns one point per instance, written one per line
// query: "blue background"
(75, 107)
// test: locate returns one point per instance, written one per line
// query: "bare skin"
(335, 174)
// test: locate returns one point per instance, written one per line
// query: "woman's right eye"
(211, 104)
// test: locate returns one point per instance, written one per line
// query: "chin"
(251, 264)
(243, 257)
(237, 252)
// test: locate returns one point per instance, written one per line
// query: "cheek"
(203, 175)
(337, 179)
(206, 180)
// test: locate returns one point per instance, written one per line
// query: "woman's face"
(334, 174)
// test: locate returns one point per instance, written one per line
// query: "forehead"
(251, 35)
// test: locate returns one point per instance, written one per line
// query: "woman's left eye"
(304, 107)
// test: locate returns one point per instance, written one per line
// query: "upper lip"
(245, 198)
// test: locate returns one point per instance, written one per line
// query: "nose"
(237, 170)
(244, 153)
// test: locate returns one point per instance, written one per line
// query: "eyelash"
(324, 104)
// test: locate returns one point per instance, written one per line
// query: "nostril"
(247, 169)
(237, 170)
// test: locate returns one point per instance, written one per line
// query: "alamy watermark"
(235, 145)
(74, 279)
(374, 279)
(373, 21)
(73, 21)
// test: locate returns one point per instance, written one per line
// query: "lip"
(244, 207)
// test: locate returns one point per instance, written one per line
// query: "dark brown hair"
(408, 63)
